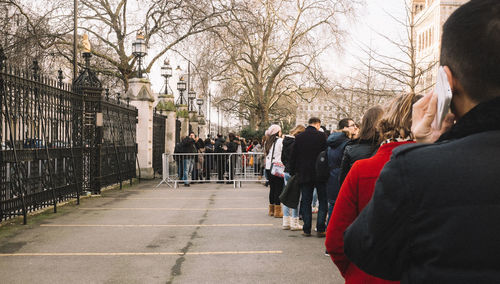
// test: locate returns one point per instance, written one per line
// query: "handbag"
(277, 168)
(290, 195)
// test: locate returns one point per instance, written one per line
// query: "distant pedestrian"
(273, 149)
(290, 222)
(336, 144)
(365, 145)
(306, 148)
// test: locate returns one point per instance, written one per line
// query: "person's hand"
(423, 114)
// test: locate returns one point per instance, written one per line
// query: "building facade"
(429, 18)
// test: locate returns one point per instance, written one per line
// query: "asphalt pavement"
(206, 233)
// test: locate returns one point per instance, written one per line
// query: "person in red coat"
(357, 189)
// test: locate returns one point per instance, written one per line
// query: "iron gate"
(57, 141)
(159, 125)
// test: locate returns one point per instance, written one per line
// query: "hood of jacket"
(288, 140)
(336, 139)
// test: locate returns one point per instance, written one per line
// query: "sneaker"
(320, 234)
(315, 210)
(326, 253)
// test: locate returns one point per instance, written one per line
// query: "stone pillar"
(184, 127)
(194, 127)
(142, 98)
(202, 126)
(170, 132)
(183, 116)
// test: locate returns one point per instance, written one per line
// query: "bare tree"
(270, 51)
(30, 34)
(404, 70)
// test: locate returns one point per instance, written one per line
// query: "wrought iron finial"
(161, 111)
(60, 77)
(128, 101)
(35, 69)
(2, 57)
(107, 94)
(86, 57)
(118, 97)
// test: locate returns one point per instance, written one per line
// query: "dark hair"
(313, 120)
(344, 123)
(470, 47)
(269, 142)
(368, 129)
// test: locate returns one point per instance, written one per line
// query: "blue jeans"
(286, 211)
(330, 210)
(315, 198)
(188, 167)
(180, 167)
(307, 190)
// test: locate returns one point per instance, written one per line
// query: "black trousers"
(276, 187)
(221, 166)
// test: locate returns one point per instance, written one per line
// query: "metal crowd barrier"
(228, 168)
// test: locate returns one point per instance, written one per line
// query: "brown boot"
(271, 209)
(277, 211)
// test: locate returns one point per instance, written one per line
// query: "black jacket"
(219, 145)
(356, 150)
(336, 144)
(306, 148)
(434, 216)
(188, 145)
(287, 151)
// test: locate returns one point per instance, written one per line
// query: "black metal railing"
(159, 125)
(56, 142)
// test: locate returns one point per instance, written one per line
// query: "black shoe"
(229, 182)
(220, 182)
(326, 253)
(320, 234)
(305, 234)
(187, 185)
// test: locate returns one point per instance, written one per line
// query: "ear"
(450, 77)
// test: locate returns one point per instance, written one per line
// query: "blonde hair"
(396, 120)
(297, 130)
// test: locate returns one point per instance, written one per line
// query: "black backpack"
(322, 168)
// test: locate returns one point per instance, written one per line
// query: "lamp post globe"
(191, 97)
(139, 50)
(166, 71)
(199, 102)
(181, 87)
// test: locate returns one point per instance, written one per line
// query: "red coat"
(354, 195)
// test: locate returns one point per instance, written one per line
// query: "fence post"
(141, 96)
(90, 88)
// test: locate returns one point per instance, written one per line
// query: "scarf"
(483, 117)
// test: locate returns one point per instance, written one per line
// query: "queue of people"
(199, 160)
(408, 201)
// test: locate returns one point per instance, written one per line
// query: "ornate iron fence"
(56, 142)
(159, 124)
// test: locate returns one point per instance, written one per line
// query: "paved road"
(202, 234)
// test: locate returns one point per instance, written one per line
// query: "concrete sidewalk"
(207, 233)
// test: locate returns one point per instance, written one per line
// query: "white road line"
(154, 225)
(139, 253)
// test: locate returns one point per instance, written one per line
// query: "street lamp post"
(166, 71)
(139, 50)
(191, 97)
(199, 102)
(181, 87)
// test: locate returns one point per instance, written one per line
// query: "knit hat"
(272, 130)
